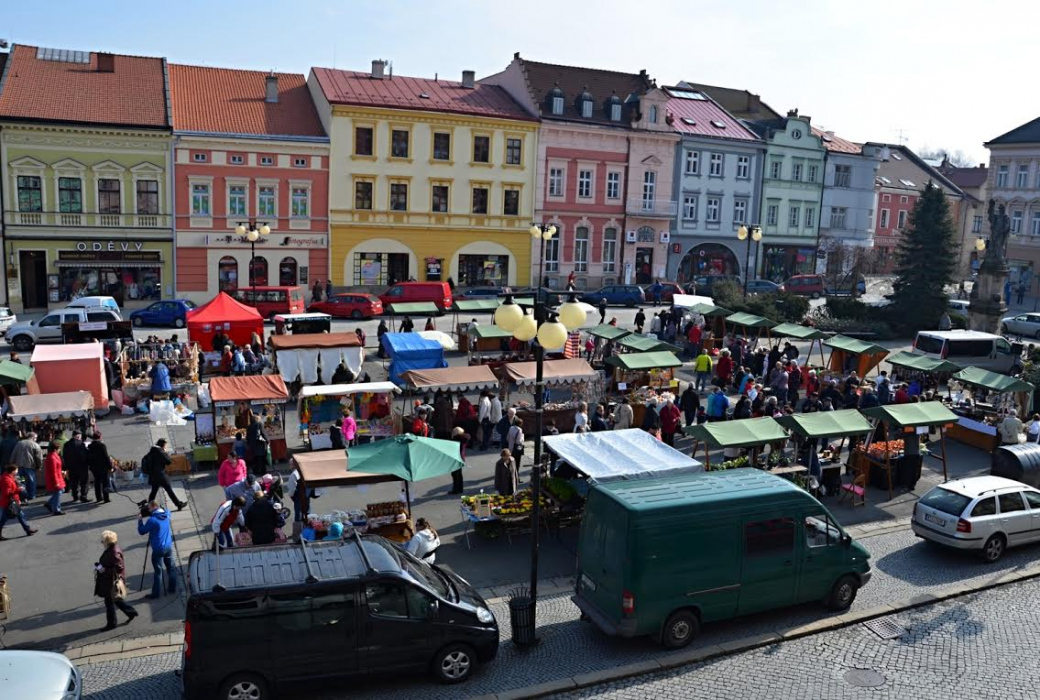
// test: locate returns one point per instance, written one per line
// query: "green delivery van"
(662, 556)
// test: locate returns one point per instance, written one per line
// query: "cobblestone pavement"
(903, 568)
(976, 647)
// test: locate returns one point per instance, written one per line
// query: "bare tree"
(956, 158)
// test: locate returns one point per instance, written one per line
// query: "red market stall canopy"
(554, 372)
(68, 404)
(468, 378)
(222, 313)
(266, 387)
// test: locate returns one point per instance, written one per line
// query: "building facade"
(429, 179)
(847, 223)
(85, 145)
(718, 188)
(605, 170)
(249, 148)
(974, 183)
(1014, 181)
(792, 196)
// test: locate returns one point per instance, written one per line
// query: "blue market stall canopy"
(409, 351)
(620, 454)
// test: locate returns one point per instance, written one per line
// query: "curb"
(126, 649)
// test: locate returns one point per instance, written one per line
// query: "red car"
(349, 306)
(670, 289)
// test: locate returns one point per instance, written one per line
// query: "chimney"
(468, 77)
(792, 112)
(754, 103)
(271, 85)
(377, 69)
(106, 63)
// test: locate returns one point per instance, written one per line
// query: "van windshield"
(416, 568)
(929, 344)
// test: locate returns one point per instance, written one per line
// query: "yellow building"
(429, 179)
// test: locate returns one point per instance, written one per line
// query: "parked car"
(663, 556)
(986, 514)
(669, 290)
(970, 349)
(271, 301)
(7, 318)
(702, 285)
(349, 305)
(407, 292)
(94, 302)
(616, 295)
(1021, 324)
(24, 335)
(163, 313)
(762, 287)
(271, 619)
(806, 285)
(38, 675)
(479, 293)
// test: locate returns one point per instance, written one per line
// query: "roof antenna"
(390, 65)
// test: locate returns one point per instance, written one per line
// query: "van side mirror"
(846, 539)
(433, 611)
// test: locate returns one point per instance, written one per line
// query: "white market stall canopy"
(621, 454)
(446, 341)
(348, 389)
(686, 301)
(67, 404)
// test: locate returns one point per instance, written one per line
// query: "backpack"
(146, 464)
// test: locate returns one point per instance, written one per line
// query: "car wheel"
(454, 663)
(178, 322)
(356, 314)
(679, 629)
(244, 686)
(22, 343)
(138, 322)
(843, 593)
(1037, 335)
(993, 549)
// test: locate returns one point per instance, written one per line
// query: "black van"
(265, 619)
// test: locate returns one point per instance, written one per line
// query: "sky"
(932, 75)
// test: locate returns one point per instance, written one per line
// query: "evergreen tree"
(926, 261)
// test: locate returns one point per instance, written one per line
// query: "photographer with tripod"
(155, 522)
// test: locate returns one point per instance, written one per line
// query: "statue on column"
(987, 303)
(999, 229)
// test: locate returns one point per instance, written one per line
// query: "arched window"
(653, 114)
(287, 272)
(258, 271)
(227, 274)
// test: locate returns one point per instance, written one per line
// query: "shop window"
(287, 272)
(30, 193)
(258, 271)
(227, 274)
(147, 196)
(120, 283)
(483, 270)
(108, 196)
(70, 195)
(380, 269)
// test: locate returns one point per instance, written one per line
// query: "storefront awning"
(645, 360)
(252, 388)
(315, 340)
(50, 406)
(793, 330)
(1000, 383)
(620, 454)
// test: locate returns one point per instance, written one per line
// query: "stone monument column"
(987, 305)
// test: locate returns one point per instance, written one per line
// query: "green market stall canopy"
(607, 332)
(749, 432)
(829, 424)
(641, 343)
(794, 330)
(921, 363)
(638, 361)
(1000, 383)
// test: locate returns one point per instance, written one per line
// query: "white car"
(7, 317)
(1021, 324)
(39, 675)
(983, 513)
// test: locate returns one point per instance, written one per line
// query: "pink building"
(249, 148)
(605, 169)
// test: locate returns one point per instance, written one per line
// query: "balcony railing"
(652, 208)
(71, 219)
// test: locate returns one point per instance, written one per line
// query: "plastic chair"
(857, 488)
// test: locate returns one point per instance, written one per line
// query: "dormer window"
(615, 113)
(557, 105)
(586, 109)
(652, 114)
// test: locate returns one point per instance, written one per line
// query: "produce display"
(883, 449)
(507, 506)
(385, 510)
(560, 489)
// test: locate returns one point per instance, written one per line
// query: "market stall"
(66, 368)
(809, 429)
(51, 416)
(800, 332)
(302, 356)
(370, 402)
(584, 382)
(927, 370)
(445, 340)
(181, 358)
(488, 345)
(409, 351)
(903, 454)
(465, 307)
(453, 379)
(650, 369)
(604, 337)
(644, 343)
(984, 405)
(852, 354)
(616, 455)
(222, 314)
(302, 323)
(16, 378)
(714, 322)
(234, 398)
(749, 434)
(748, 323)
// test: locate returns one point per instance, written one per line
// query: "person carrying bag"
(110, 581)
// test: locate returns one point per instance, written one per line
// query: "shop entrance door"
(33, 267)
(644, 265)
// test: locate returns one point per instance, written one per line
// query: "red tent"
(222, 313)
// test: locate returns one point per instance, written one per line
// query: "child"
(240, 445)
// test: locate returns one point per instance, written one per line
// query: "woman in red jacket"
(11, 501)
(724, 369)
(54, 480)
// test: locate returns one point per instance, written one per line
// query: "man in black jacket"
(261, 519)
(100, 466)
(256, 445)
(74, 459)
(154, 465)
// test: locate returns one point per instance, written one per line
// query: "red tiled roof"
(226, 101)
(403, 92)
(836, 144)
(542, 78)
(702, 112)
(134, 94)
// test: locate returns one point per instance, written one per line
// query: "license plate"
(587, 583)
(934, 519)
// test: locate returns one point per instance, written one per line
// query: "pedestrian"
(515, 440)
(590, 348)
(869, 399)
(11, 501)
(360, 335)
(7, 444)
(227, 359)
(581, 418)
(407, 326)
(640, 321)
(238, 362)
(100, 464)
(724, 369)
(110, 581)
(623, 415)
(463, 438)
(702, 369)
(160, 376)
(328, 289)
(53, 479)
(778, 385)
(155, 522)
(689, 402)
(670, 415)
(154, 465)
(262, 520)
(1010, 429)
(599, 419)
(256, 444)
(348, 429)
(229, 514)
(742, 409)
(718, 404)
(651, 418)
(28, 457)
(380, 332)
(76, 461)
(944, 322)
(507, 481)
(232, 470)
(424, 542)
(693, 340)
(1033, 429)
(466, 418)
(570, 281)
(484, 419)
(443, 415)
(602, 310)
(496, 413)
(655, 291)
(316, 292)
(239, 446)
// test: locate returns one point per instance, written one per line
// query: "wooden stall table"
(974, 433)
(789, 471)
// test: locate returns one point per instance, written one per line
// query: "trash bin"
(521, 617)
(1018, 462)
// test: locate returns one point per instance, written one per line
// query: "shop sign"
(433, 269)
(120, 252)
(110, 246)
(275, 239)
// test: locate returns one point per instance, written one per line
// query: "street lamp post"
(756, 236)
(550, 333)
(252, 230)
